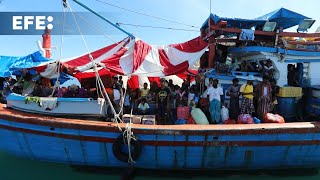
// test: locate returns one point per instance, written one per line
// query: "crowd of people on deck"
(28, 84)
(256, 100)
(166, 96)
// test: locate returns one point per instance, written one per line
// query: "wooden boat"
(199, 147)
(93, 143)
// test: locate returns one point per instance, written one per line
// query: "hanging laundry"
(247, 35)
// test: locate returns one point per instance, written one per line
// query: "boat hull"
(199, 147)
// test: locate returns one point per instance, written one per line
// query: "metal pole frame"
(99, 15)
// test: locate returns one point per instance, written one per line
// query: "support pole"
(100, 16)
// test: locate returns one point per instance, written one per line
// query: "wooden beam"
(258, 32)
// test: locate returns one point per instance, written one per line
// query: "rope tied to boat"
(127, 136)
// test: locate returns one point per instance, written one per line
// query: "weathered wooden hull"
(80, 142)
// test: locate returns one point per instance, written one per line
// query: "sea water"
(14, 168)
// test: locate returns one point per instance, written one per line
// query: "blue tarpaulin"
(283, 17)
(234, 22)
(10, 64)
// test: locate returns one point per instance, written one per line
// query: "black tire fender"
(117, 149)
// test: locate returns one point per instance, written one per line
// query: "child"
(143, 107)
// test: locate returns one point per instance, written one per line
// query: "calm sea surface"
(13, 168)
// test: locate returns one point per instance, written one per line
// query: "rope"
(156, 27)
(97, 29)
(147, 14)
(98, 78)
(128, 135)
(57, 83)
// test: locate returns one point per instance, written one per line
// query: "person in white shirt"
(143, 107)
(214, 92)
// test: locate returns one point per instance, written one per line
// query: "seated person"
(37, 91)
(83, 93)
(143, 107)
(72, 91)
(268, 69)
(62, 92)
(246, 67)
(27, 83)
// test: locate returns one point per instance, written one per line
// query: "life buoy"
(121, 153)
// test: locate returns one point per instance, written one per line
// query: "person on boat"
(170, 84)
(275, 90)
(62, 92)
(268, 69)
(117, 91)
(263, 92)
(162, 102)
(120, 81)
(145, 91)
(173, 100)
(234, 65)
(246, 90)
(246, 67)
(191, 95)
(127, 101)
(7, 88)
(153, 89)
(215, 96)
(292, 76)
(83, 93)
(26, 82)
(181, 93)
(73, 91)
(143, 107)
(234, 93)
(37, 91)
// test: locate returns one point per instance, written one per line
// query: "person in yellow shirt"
(145, 91)
(246, 91)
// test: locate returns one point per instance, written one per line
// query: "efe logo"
(24, 22)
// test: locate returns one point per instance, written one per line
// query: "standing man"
(234, 93)
(162, 102)
(263, 92)
(246, 91)
(215, 95)
(117, 92)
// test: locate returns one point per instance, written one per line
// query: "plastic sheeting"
(10, 64)
(283, 17)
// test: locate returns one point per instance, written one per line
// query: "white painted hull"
(79, 107)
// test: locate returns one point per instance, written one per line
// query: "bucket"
(287, 108)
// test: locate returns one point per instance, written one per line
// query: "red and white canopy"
(134, 57)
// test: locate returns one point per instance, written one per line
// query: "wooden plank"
(258, 32)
